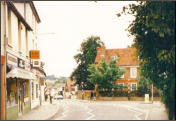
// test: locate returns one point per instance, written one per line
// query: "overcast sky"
(72, 22)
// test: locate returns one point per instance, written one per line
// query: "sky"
(65, 24)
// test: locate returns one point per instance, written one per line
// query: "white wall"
(36, 101)
(2, 28)
(20, 8)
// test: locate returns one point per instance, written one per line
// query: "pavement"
(47, 111)
(44, 112)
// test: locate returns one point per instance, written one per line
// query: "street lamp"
(128, 89)
(82, 89)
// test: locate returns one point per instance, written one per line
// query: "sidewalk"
(157, 114)
(44, 112)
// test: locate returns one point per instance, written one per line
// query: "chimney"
(98, 50)
(102, 50)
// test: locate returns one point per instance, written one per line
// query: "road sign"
(146, 97)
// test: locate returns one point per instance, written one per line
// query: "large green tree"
(154, 38)
(86, 56)
(105, 75)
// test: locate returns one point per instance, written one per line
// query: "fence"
(137, 93)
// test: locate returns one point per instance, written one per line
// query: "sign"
(146, 97)
(35, 54)
(42, 81)
(27, 66)
(36, 63)
(21, 63)
(11, 59)
(26, 99)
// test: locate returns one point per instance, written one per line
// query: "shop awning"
(20, 73)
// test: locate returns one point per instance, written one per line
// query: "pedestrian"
(51, 96)
(46, 97)
(94, 94)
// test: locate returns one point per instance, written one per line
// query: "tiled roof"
(126, 56)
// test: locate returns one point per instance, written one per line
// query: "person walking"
(94, 94)
(51, 96)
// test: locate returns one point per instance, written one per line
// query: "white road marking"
(63, 114)
(92, 115)
(133, 109)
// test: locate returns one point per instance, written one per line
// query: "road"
(104, 110)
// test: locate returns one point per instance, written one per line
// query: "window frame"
(131, 86)
(131, 72)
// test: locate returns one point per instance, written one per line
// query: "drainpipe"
(5, 64)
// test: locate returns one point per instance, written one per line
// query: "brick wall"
(12, 113)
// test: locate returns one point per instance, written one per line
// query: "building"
(19, 20)
(70, 88)
(126, 60)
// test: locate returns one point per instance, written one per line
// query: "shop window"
(12, 97)
(32, 90)
(36, 90)
(25, 89)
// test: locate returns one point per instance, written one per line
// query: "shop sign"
(42, 81)
(35, 54)
(26, 99)
(11, 59)
(22, 72)
(36, 63)
(27, 66)
(21, 63)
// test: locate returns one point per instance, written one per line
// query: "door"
(21, 96)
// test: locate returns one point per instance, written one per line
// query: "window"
(123, 74)
(9, 27)
(36, 90)
(12, 98)
(27, 53)
(32, 90)
(133, 86)
(114, 57)
(25, 89)
(133, 72)
(121, 86)
(19, 35)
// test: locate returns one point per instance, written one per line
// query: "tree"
(86, 56)
(154, 38)
(105, 75)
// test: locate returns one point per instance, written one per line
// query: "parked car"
(58, 97)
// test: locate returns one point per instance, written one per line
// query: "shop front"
(2, 87)
(18, 87)
(40, 75)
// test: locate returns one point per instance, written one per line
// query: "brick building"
(126, 59)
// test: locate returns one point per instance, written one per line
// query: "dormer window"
(114, 57)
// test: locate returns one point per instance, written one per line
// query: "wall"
(12, 113)
(2, 28)
(35, 102)
(20, 8)
(26, 106)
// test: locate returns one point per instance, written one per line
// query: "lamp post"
(128, 89)
(82, 89)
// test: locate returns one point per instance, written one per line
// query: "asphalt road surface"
(104, 110)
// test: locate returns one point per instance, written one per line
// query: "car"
(58, 97)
